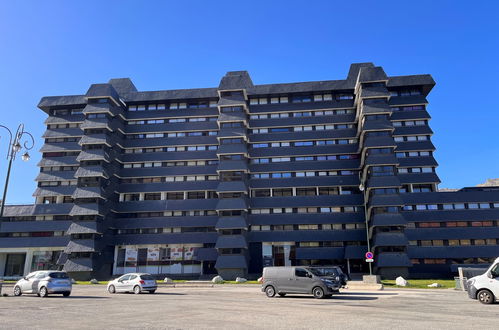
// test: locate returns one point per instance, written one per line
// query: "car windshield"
(58, 275)
(147, 277)
(324, 271)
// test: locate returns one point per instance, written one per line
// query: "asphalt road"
(245, 307)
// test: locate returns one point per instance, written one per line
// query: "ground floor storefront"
(17, 262)
(174, 259)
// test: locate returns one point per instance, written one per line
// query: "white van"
(485, 287)
(305, 280)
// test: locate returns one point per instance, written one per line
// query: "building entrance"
(14, 265)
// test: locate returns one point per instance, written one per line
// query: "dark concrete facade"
(230, 179)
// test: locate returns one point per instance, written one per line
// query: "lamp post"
(14, 147)
(362, 188)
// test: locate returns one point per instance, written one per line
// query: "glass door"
(15, 264)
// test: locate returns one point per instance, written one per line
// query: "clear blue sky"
(61, 47)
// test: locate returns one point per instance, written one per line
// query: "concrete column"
(3, 261)
(287, 250)
(115, 259)
(27, 262)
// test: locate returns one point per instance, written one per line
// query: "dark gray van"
(295, 279)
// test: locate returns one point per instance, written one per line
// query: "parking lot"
(244, 306)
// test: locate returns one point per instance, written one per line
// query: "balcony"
(392, 260)
(231, 262)
(374, 92)
(96, 154)
(232, 204)
(54, 191)
(78, 265)
(91, 171)
(381, 159)
(327, 253)
(231, 242)
(81, 245)
(389, 239)
(85, 209)
(231, 223)
(59, 161)
(388, 219)
(375, 106)
(33, 226)
(232, 186)
(87, 227)
(87, 192)
(232, 165)
(232, 149)
(383, 181)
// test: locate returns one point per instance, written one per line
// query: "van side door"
(494, 281)
(303, 281)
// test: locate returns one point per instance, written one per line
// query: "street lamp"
(362, 188)
(13, 148)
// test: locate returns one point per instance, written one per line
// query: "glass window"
(300, 272)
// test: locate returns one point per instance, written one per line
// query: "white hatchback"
(133, 282)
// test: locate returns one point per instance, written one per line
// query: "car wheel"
(152, 291)
(136, 289)
(43, 292)
(111, 289)
(485, 297)
(318, 292)
(66, 294)
(270, 291)
(282, 294)
(17, 291)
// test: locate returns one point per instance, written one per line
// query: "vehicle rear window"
(146, 277)
(58, 275)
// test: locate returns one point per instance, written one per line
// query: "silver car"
(133, 282)
(44, 282)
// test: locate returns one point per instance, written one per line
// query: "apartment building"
(237, 177)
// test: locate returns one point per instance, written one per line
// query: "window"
(195, 195)
(175, 195)
(300, 272)
(306, 191)
(152, 196)
(284, 192)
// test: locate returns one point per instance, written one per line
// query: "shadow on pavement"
(366, 294)
(340, 297)
(78, 297)
(335, 297)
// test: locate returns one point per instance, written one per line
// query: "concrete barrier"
(188, 284)
(363, 286)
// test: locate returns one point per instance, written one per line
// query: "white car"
(133, 282)
(44, 282)
(485, 287)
